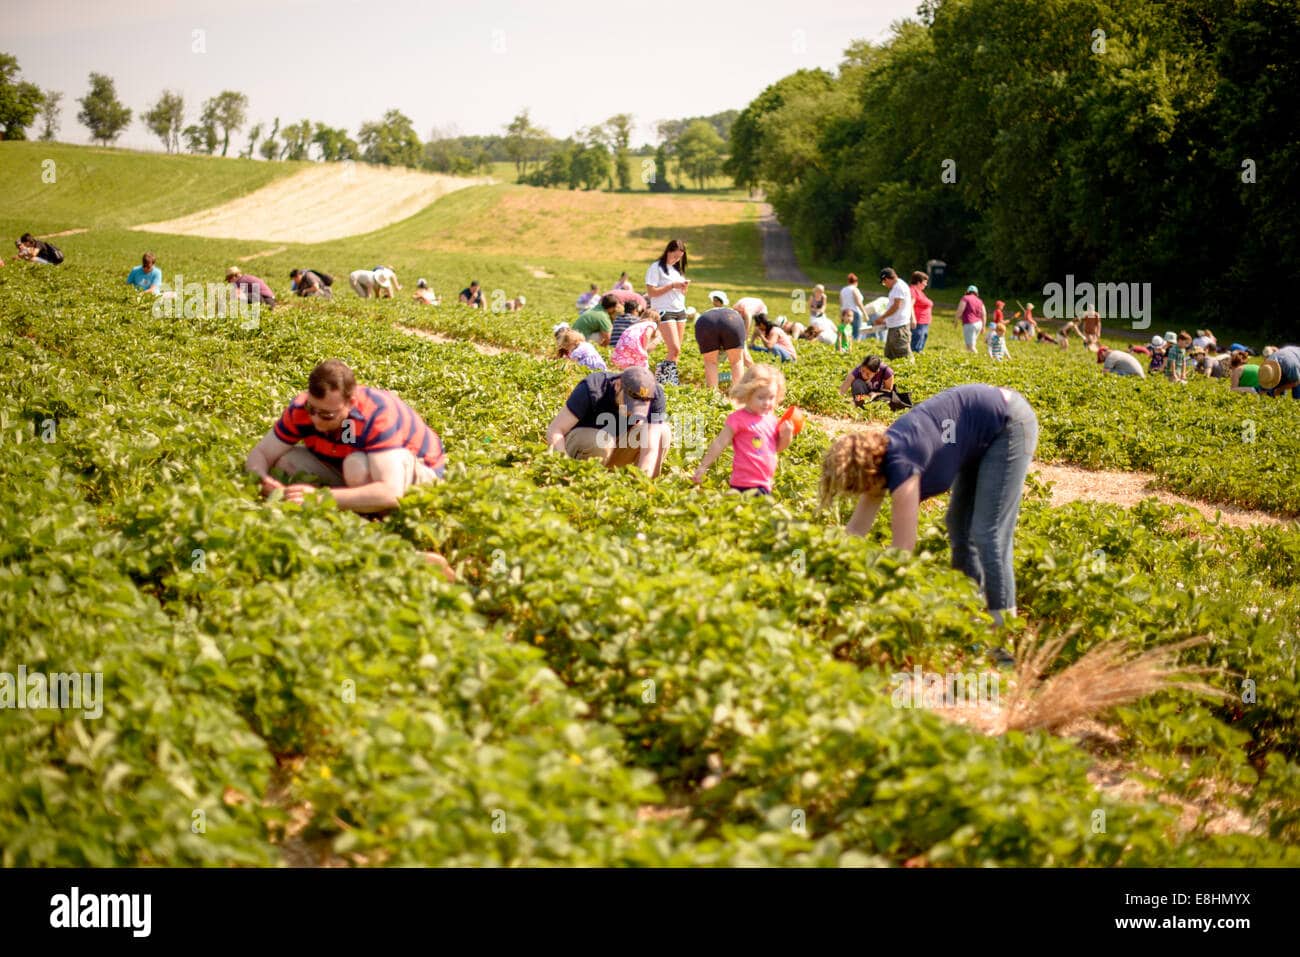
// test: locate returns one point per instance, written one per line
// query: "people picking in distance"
(633, 311)
(621, 419)
(1242, 376)
(472, 296)
(146, 277)
(364, 283)
(635, 343)
(515, 304)
(424, 293)
(1280, 373)
(1120, 363)
(998, 341)
(751, 308)
(572, 344)
(1177, 359)
(922, 310)
(250, 288)
(755, 435)
(873, 381)
(365, 445)
(852, 303)
(308, 283)
(970, 317)
(775, 340)
(36, 250)
(897, 317)
(976, 440)
(597, 323)
(720, 329)
(623, 285)
(588, 298)
(666, 286)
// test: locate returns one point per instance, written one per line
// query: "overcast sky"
(470, 64)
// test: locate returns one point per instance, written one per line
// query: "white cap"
(558, 328)
(522, 301)
(692, 312)
(720, 295)
(1157, 341)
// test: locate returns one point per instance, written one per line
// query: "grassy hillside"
(95, 187)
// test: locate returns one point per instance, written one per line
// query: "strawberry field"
(626, 672)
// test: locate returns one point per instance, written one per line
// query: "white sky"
(473, 64)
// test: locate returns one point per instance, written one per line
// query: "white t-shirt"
(850, 296)
(1200, 342)
(384, 277)
(674, 300)
(1121, 363)
(902, 316)
(825, 329)
(752, 304)
(877, 307)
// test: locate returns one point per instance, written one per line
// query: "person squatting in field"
(365, 445)
(250, 288)
(976, 440)
(621, 419)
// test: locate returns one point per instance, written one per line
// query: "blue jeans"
(779, 351)
(919, 335)
(857, 324)
(985, 504)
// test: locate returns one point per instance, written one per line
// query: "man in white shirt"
(897, 319)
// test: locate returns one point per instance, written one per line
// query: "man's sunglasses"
(326, 416)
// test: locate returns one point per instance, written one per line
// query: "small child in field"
(845, 332)
(635, 343)
(998, 341)
(1176, 358)
(1157, 355)
(574, 345)
(755, 435)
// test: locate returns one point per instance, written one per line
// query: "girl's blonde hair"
(651, 315)
(568, 340)
(756, 376)
(854, 464)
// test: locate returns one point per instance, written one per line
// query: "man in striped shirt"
(366, 445)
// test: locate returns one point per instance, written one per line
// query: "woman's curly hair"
(853, 464)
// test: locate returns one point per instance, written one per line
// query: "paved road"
(779, 261)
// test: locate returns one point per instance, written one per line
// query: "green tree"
(101, 111)
(166, 120)
(51, 108)
(618, 132)
(227, 112)
(270, 148)
(700, 152)
(254, 135)
(19, 101)
(334, 144)
(297, 141)
(392, 141)
(590, 166)
(746, 133)
(524, 143)
(660, 182)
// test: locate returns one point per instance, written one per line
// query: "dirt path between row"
(779, 262)
(317, 205)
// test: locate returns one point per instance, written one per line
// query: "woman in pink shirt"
(970, 317)
(755, 435)
(922, 307)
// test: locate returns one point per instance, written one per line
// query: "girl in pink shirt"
(635, 343)
(755, 435)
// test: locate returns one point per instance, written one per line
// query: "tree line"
(598, 156)
(1131, 140)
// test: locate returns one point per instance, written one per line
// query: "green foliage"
(166, 119)
(101, 111)
(392, 141)
(20, 101)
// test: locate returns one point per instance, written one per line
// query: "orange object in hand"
(794, 415)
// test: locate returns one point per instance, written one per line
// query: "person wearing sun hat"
(970, 317)
(621, 419)
(1280, 373)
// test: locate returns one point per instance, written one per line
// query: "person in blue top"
(976, 440)
(146, 277)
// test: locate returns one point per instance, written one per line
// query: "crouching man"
(619, 419)
(365, 445)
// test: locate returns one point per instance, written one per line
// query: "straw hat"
(1270, 374)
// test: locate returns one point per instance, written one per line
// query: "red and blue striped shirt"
(376, 422)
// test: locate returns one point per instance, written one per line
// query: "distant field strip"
(328, 202)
